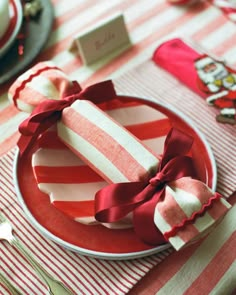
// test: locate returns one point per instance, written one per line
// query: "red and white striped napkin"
(52, 155)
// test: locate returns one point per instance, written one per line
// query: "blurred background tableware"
(36, 31)
(10, 24)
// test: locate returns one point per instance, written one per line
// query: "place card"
(104, 38)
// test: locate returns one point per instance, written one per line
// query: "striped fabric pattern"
(149, 23)
(70, 182)
(228, 7)
(184, 198)
(36, 88)
(113, 149)
(84, 275)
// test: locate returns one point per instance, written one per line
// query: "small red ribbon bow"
(49, 111)
(117, 200)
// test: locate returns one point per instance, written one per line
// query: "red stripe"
(225, 45)
(210, 28)
(37, 248)
(72, 13)
(150, 130)
(106, 144)
(157, 9)
(15, 262)
(50, 140)
(4, 289)
(67, 174)
(76, 209)
(221, 262)
(162, 273)
(8, 113)
(8, 143)
(109, 268)
(217, 210)
(139, 47)
(29, 79)
(62, 44)
(189, 230)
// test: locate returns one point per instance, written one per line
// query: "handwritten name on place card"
(103, 39)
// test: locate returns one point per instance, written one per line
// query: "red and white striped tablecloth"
(208, 268)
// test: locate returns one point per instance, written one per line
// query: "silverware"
(9, 285)
(55, 287)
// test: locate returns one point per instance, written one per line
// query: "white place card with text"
(103, 39)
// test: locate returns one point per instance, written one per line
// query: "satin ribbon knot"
(158, 180)
(49, 111)
(117, 200)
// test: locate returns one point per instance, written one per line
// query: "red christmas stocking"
(210, 78)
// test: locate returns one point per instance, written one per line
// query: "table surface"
(149, 23)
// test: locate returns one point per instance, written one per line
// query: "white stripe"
(160, 221)
(212, 243)
(71, 269)
(217, 37)
(90, 152)
(63, 7)
(121, 135)
(114, 275)
(137, 35)
(11, 126)
(55, 158)
(227, 283)
(189, 203)
(156, 144)
(71, 192)
(135, 115)
(15, 261)
(163, 226)
(44, 86)
(34, 247)
(131, 13)
(161, 20)
(76, 24)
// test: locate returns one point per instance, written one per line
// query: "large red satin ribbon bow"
(49, 111)
(117, 200)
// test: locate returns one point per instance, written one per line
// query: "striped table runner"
(149, 23)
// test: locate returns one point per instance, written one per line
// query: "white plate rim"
(105, 255)
(16, 29)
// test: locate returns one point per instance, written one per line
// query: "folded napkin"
(212, 79)
(167, 202)
(228, 7)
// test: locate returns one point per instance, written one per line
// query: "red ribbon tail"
(99, 93)
(144, 224)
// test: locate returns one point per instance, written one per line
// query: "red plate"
(16, 17)
(99, 241)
